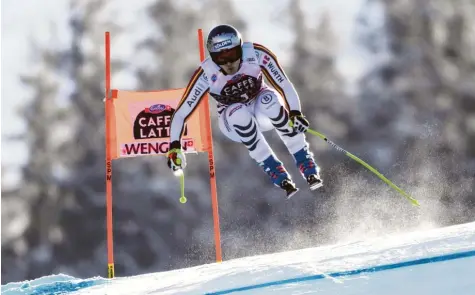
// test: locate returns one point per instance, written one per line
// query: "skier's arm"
(277, 78)
(194, 92)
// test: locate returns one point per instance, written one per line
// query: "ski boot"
(289, 187)
(279, 175)
(308, 168)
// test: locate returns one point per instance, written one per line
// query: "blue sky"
(46, 23)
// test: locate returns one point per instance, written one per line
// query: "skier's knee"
(237, 113)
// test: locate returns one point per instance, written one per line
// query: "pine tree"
(418, 100)
(63, 179)
(39, 188)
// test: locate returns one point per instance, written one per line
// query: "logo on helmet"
(222, 44)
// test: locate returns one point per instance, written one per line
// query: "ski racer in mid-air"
(233, 76)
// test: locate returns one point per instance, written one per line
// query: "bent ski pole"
(387, 181)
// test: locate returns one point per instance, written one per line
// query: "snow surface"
(439, 261)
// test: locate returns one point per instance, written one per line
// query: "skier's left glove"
(176, 158)
(298, 121)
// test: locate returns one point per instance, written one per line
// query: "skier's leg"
(239, 124)
(269, 106)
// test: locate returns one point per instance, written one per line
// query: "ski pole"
(179, 173)
(182, 188)
(387, 181)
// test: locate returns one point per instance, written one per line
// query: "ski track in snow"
(438, 261)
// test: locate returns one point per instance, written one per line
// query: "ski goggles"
(227, 55)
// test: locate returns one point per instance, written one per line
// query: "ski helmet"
(224, 44)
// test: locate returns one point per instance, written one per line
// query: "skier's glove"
(176, 158)
(298, 121)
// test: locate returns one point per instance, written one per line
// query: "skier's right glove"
(176, 158)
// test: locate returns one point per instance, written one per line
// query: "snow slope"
(439, 261)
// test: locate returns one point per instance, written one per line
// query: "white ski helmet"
(224, 44)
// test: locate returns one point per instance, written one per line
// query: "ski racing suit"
(246, 105)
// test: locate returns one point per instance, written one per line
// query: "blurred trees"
(62, 183)
(37, 200)
(419, 100)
